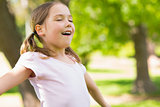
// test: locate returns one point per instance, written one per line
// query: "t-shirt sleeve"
(28, 60)
(83, 68)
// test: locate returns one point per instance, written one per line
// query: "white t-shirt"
(57, 84)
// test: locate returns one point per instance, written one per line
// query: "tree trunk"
(10, 41)
(143, 84)
(150, 48)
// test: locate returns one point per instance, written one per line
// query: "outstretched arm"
(13, 78)
(94, 91)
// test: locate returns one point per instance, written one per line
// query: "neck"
(60, 52)
(57, 52)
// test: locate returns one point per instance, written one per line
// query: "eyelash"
(61, 20)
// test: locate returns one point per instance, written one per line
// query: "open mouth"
(66, 33)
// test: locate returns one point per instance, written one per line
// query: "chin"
(66, 45)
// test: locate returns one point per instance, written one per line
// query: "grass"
(11, 94)
(122, 86)
(118, 87)
(13, 90)
(146, 103)
(115, 87)
(156, 81)
(109, 71)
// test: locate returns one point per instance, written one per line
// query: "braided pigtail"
(27, 44)
(33, 43)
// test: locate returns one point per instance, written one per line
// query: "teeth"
(66, 33)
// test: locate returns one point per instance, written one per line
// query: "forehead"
(59, 9)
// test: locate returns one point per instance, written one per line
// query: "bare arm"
(94, 91)
(13, 78)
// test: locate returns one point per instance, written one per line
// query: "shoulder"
(83, 68)
(31, 55)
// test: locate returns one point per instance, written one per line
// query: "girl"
(54, 69)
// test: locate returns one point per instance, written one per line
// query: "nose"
(68, 24)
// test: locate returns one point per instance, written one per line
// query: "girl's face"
(58, 27)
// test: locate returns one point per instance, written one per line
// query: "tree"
(107, 25)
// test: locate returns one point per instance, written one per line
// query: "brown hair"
(38, 16)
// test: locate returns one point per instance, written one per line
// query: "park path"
(100, 63)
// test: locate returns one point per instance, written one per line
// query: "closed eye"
(58, 19)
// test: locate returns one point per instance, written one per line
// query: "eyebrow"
(62, 15)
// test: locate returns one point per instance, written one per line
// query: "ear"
(40, 29)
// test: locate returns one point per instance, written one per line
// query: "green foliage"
(157, 50)
(95, 27)
(19, 13)
(105, 25)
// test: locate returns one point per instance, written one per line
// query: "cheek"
(56, 28)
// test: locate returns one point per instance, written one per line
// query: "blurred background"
(118, 42)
